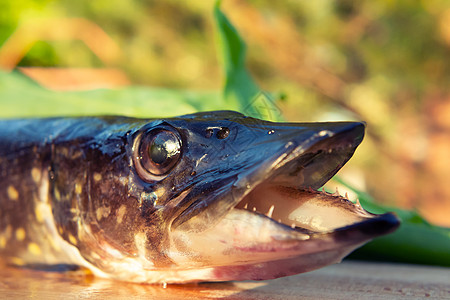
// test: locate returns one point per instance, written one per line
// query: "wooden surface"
(349, 280)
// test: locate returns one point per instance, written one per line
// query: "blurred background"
(384, 62)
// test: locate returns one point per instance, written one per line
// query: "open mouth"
(290, 198)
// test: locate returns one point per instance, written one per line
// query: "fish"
(209, 196)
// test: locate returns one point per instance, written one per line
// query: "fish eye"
(159, 151)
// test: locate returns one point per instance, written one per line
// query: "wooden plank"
(349, 280)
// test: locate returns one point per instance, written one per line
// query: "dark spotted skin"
(50, 170)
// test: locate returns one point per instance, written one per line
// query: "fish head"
(220, 196)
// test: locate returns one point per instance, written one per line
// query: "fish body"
(204, 197)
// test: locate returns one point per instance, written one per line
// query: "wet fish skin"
(74, 191)
(51, 167)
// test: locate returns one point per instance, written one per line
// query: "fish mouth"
(275, 223)
(288, 196)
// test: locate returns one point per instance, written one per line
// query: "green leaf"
(411, 243)
(21, 97)
(240, 91)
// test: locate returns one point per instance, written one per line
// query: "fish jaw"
(276, 224)
(320, 250)
(248, 245)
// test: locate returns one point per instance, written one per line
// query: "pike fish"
(212, 196)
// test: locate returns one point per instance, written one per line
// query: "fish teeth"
(293, 225)
(337, 192)
(254, 208)
(246, 205)
(270, 212)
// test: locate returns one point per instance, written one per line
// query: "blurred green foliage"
(19, 96)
